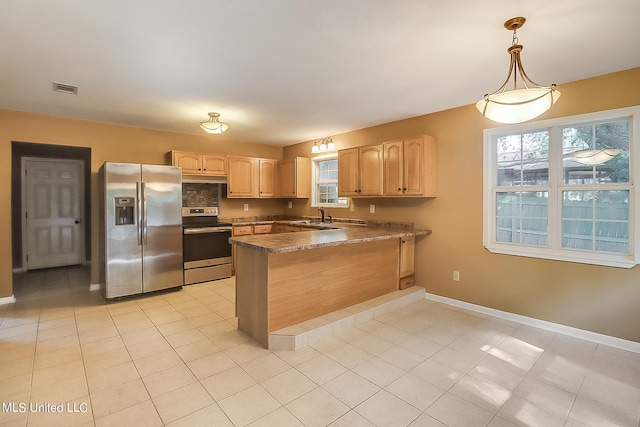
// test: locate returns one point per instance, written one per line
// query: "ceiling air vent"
(61, 87)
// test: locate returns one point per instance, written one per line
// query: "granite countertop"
(333, 235)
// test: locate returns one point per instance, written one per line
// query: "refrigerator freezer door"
(162, 227)
(123, 254)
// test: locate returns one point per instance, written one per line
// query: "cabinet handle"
(399, 189)
(404, 189)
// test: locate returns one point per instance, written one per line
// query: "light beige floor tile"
(95, 324)
(8, 354)
(98, 334)
(501, 422)
(196, 350)
(44, 325)
(352, 419)
(383, 408)
(425, 420)
(230, 338)
(63, 331)
(402, 358)
(546, 396)
(135, 325)
(117, 398)
(481, 392)
(210, 415)
(297, 357)
(378, 371)
(148, 348)
(57, 357)
(216, 329)
(351, 388)
(415, 391)
(279, 417)
(623, 396)
(210, 365)
(138, 337)
(101, 361)
(437, 374)
(593, 413)
(288, 385)
(102, 379)
(54, 374)
(522, 412)
(456, 412)
(174, 327)
(206, 318)
(321, 369)
(168, 380)
(95, 348)
(348, 355)
(248, 405)
(136, 314)
(460, 361)
(265, 367)
(141, 415)
(246, 352)
(189, 336)
(157, 362)
(62, 391)
(227, 383)
(317, 408)
(559, 371)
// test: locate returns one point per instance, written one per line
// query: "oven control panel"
(200, 211)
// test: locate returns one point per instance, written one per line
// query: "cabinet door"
(407, 256)
(191, 163)
(267, 184)
(214, 165)
(413, 176)
(243, 177)
(370, 170)
(393, 169)
(287, 177)
(348, 172)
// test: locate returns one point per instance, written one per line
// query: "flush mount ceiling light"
(213, 125)
(594, 157)
(517, 105)
(326, 144)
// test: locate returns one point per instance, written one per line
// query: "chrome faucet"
(321, 210)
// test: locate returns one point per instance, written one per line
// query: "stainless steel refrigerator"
(142, 225)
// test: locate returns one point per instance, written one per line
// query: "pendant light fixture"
(517, 105)
(213, 125)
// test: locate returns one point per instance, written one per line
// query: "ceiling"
(285, 71)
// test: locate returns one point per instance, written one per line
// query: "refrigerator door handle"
(144, 213)
(139, 208)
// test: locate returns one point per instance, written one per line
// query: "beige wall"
(599, 299)
(109, 143)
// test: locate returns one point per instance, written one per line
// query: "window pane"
(522, 217)
(596, 220)
(597, 153)
(523, 159)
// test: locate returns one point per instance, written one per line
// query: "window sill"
(593, 258)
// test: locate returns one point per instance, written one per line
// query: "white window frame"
(554, 249)
(314, 184)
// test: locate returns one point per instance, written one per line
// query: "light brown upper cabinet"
(243, 177)
(410, 167)
(294, 177)
(360, 171)
(199, 163)
(267, 181)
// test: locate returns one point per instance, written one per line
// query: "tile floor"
(177, 359)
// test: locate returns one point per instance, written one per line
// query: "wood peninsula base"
(277, 290)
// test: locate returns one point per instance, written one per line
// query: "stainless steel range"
(206, 247)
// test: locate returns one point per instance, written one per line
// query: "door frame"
(23, 204)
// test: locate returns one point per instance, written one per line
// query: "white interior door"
(53, 196)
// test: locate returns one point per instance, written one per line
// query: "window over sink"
(324, 188)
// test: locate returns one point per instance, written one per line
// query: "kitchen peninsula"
(287, 278)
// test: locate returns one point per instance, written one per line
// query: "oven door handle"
(205, 230)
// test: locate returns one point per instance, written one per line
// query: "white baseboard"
(8, 300)
(542, 324)
(94, 287)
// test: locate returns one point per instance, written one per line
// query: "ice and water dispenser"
(125, 210)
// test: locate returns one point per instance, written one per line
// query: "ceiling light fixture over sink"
(213, 125)
(517, 105)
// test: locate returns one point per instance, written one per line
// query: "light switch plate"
(246, 207)
(372, 208)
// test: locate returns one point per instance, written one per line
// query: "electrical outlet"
(352, 207)
(290, 204)
(246, 207)
(456, 276)
(372, 208)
